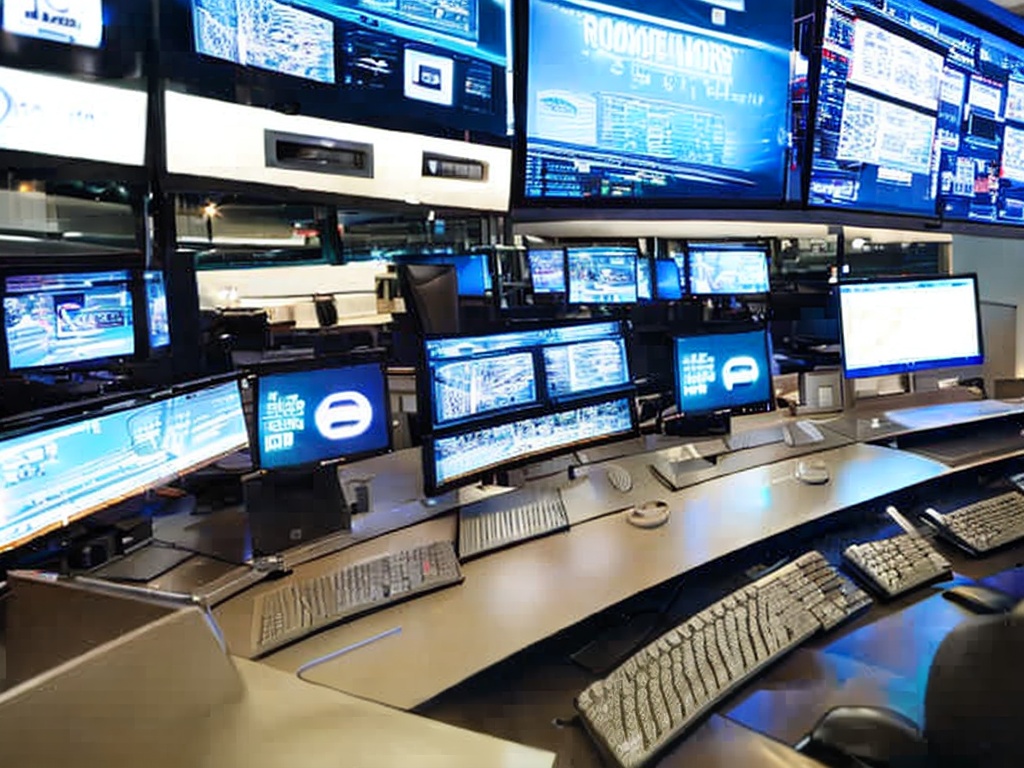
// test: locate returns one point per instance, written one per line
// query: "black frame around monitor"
(549, 295)
(135, 291)
(911, 368)
(738, 245)
(634, 246)
(255, 374)
(425, 398)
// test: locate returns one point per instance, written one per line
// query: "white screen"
(894, 327)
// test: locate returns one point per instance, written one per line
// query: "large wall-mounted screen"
(919, 112)
(657, 99)
(441, 66)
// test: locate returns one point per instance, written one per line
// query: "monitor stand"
(287, 508)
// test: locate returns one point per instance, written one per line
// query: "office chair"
(431, 292)
(973, 713)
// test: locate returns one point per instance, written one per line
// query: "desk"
(518, 597)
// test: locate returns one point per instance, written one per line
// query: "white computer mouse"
(812, 471)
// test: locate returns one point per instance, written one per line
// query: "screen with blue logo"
(312, 415)
(75, 22)
(55, 475)
(547, 270)
(157, 319)
(722, 372)
(602, 275)
(448, 61)
(473, 377)
(902, 326)
(63, 319)
(919, 112)
(660, 99)
(717, 269)
(669, 286)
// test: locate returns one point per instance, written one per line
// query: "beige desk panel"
(515, 598)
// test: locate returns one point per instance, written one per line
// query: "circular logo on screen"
(6, 104)
(60, 7)
(343, 415)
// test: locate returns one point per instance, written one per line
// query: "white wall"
(999, 263)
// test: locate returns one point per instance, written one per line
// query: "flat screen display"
(716, 269)
(471, 453)
(473, 377)
(723, 372)
(75, 22)
(902, 326)
(547, 270)
(394, 62)
(602, 275)
(157, 319)
(474, 274)
(643, 279)
(669, 286)
(657, 99)
(311, 415)
(52, 476)
(919, 112)
(64, 319)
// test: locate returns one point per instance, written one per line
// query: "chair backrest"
(431, 293)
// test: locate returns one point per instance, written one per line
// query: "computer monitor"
(54, 475)
(521, 394)
(67, 319)
(910, 324)
(725, 269)
(723, 373)
(669, 285)
(310, 412)
(157, 318)
(602, 275)
(473, 273)
(547, 270)
(644, 289)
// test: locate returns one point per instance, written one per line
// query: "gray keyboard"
(984, 525)
(755, 438)
(666, 687)
(897, 565)
(302, 606)
(499, 522)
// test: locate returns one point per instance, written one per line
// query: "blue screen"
(447, 60)
(547, 270)
(722, 371)
(643, 278)
(480, 376)
(716, 270)
(473, 274)
(471, 453)
(602, 275)
(53, 320)
(669, 286)
(919, 112)
(307, 416)
(55, 475)
(670, 99)
(157, 318)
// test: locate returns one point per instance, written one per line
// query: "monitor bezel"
(132, 287)
(533, 285)
(104, 407)
(432, 487)
(424, 389)
(569, 249)
(735, 245)
(680, 280)
(910, 368)
(761, 406)
(307, 365)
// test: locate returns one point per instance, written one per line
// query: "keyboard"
(666, 687)
(491, 525)
(755, 438)
(984, 525)
(893, 566)
(303, 606)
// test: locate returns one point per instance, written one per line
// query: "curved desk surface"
(515, 598)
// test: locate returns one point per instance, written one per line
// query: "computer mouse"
(978, 598)
(812, 471)
(650, 514)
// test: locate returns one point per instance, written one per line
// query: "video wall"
(919, 112)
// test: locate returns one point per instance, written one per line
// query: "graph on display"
(919, 112)
(657, 99)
